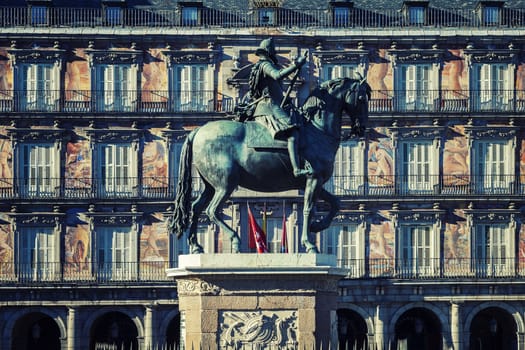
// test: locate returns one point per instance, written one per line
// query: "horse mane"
(315, 101)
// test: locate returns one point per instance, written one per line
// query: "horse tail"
(182, 211)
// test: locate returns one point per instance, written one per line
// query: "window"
(267, 16)
(415, 90)
(193, 88)
(190, 16)
(341, 16)
(416, 15)
(274, 233)
(332, 71)
(494, 166)
(39, 15)
(179, 246)
(113, 15)
(416, 253)
(38, 259)
(39, 170)
(118, 164)
(417, 161)
(347, 177)
(491, 15)
(116, 253)
(42, 87)
(346, 243)
(117, 88)
(493, 250)
(492, 87)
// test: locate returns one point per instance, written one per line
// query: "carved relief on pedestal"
(196, 287)
(260, 330)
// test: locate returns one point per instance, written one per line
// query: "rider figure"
(265, 85)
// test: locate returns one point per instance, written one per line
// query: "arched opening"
(351, 330)
(173, 334)
(418, 329)
(114, 330)
(36, 331)
(493, 328)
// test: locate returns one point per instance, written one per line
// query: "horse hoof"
(235, 246)
(196, 249)
(310, 248)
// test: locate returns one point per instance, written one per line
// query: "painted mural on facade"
(6, 161)
(155, 165)
(78, 172)
(456, 167)
(381, 161)
(521, 247)
(77, 80)
(6, 75)
(7, 245)
(155, 78)
(154, 243)
(456, 246)
(379, 76)
(381, 247)
(77, 250)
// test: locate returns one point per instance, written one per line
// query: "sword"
(285, 98)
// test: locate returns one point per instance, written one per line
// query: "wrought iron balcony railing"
(128, 101)
(42, 16)
(153, 101)
(432, 268)
(87, 272)
(372, 268)
(159, 187)
(448, 101)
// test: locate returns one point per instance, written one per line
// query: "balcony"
(371, 268)
(129, 101)
(428, 268)
(447, 101)
(83, 272)
(371, 186)
(395, 186)
(155, 101)
(154, 17)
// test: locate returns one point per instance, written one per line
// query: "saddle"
(259, 137)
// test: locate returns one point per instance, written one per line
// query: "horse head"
(356, 106)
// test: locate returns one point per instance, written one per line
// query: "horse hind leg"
(213, 211)
(197, 207)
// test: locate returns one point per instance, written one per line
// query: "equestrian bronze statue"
(227, 154)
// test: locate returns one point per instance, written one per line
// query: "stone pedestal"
(257, 301)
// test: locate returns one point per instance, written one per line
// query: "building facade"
(96, 98)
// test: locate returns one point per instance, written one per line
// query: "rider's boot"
(293, 151)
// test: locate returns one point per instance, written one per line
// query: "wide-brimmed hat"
(266, 48)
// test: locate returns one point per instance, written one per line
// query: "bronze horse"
(224, 155)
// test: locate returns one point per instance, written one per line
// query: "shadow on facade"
(418, 329)
(493, 329)
(36, 331)
(114, 330)
(351, 330)
(173, 334)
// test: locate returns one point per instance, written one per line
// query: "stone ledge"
(256, 264)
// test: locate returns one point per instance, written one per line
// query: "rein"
(312, 115)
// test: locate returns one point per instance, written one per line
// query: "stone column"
(380, 334)
(148, 327)
(258, 300)
(455, 326)
(71, 327)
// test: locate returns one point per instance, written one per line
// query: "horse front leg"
(310, 192)
(214, 213)
(198, 206)
(333, 201)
